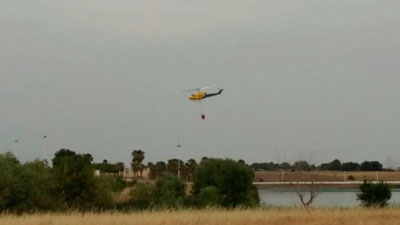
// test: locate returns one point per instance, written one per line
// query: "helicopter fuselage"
(202, 95)
(198, 95)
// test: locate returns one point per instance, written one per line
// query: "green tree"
(169, 191)
(137, 165)
(142, 195)
(106, 167)
(191, 167)
(26, 187)
(374, 195)
(301, 166)
(209, 197)
(350, 166)
(39, 187)
(232, 179)
(371, 166)
(74, 177)
(176, 164)
(12, 191)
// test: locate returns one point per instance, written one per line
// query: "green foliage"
(26, 187)
(106, 188)
(142, 196)
(12, 192)
(374, 195)
(156, 169)
(112, 183)
(169, 191)
(301, 166)
(106, 167)
(233, 181)
(39, 187)
(335, 165)
(137, 165)
(75, 181)
(350, 166)
(371, 166)
(209, 197)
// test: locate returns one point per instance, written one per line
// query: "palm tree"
(137, 165)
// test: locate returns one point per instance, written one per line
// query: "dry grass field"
(293, 216)
(276, 176)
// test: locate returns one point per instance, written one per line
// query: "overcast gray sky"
(308, 79)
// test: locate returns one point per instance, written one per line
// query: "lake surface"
(325, 198)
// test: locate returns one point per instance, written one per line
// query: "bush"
(142, 196)
(113, 183)
(351, 177)
(26, 187)
(169, 191)
(374, 195)
(208, 197)
(232, 180)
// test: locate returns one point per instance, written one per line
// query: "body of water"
(325, 198)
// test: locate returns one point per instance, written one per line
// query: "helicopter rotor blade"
(202, 88)
(207, 87)
(190, 90)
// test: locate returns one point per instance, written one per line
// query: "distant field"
(209, 217)
(276, 176)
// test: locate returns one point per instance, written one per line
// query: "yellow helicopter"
(200, 94)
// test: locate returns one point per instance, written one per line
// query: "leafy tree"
(106, 167)
(242, 161)
(169, 191)
(191, 167)
(233, 181)
(152, 170)
(371, 166)
(336, 165)
(284, 166)
(374, 195)
(176, 164)
(350, 166)
(39, 187)
(142, 195)
(156, 169)
(74, 177)
(26, 187)
(137, 165)
(12, 190)
(271, 166)
(209, 197)
(301, 166)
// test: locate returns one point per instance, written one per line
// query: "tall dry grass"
(216, 217)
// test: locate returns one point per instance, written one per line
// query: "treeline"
(216, 183)
(71, 184)
(335, 165)
(184, 170)
(106, 167)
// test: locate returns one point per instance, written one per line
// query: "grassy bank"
(296, 216)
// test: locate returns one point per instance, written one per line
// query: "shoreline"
(318, 185)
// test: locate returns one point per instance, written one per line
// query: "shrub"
(208, 197)
(351, 177)
(26, 187)
(374, 195)
(169, 191)
(142, 196)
